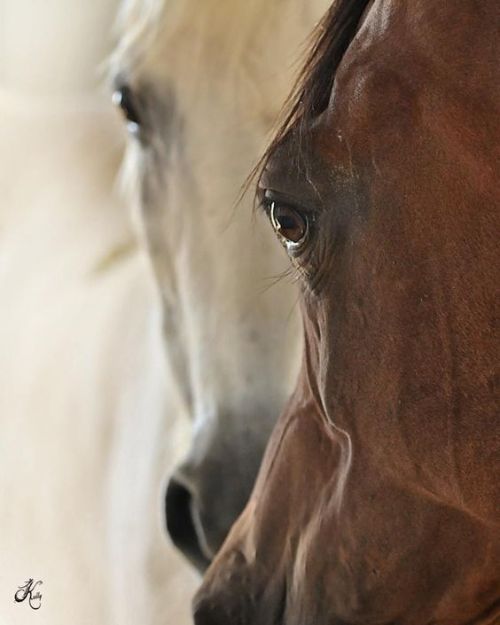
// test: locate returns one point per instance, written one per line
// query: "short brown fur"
(377, 502)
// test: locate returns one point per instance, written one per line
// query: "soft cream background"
(86, 417)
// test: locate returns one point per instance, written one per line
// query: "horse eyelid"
(267, 197)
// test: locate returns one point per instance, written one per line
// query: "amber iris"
(289, 224)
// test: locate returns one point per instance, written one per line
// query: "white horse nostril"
(183, 524)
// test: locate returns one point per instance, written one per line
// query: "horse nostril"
(204, 618)
(206, 613)
(181, 526)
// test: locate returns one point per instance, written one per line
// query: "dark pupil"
(127, 104)
(290, 224)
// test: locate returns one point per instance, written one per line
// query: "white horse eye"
(290, 225)
(124, 98)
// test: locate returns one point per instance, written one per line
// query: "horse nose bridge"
(213, 479)
(220, 478)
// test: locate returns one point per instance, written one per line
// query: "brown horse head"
(377, 502)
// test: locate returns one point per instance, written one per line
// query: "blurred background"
(81, 360)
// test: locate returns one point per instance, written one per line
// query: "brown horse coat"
(377, 502)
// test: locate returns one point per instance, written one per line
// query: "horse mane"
(311, 93)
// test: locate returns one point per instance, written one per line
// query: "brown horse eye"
(125, 99)
(289, 224)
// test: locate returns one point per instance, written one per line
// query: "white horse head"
(201, 84)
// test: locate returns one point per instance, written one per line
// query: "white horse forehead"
(252, 45)
(223, 67)
(150, 28)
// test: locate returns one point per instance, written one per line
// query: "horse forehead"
(406, 103)
(401, 52)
